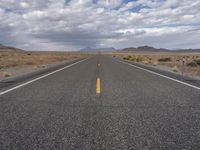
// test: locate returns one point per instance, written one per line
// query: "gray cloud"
(75, 24)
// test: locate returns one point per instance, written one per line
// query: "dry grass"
(171, 60)
(6, 74)
(10, 59)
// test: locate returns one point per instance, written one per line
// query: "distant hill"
(145, 49)
(153, 50)
(4, 48)
(188, 51)
(98, 49)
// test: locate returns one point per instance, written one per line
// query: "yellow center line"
(98, 88)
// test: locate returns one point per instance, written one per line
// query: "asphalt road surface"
(134, 110)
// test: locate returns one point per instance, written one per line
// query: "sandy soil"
(19, 63)
(172, 62)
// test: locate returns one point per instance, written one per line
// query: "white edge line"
(195, 87)
(31, 81)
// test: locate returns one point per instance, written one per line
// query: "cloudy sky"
(76, 24)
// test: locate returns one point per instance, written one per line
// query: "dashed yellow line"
(98, 87)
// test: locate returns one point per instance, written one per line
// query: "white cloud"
(24, 5)
(110, 3)
(75, 24)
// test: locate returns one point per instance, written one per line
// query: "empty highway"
(103, 104)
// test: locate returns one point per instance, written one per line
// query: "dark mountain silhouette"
(4, 48)
(98, 49)
(153, 49)
(188, 50)
(145, 49)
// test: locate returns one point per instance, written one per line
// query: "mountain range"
(153, 49)
(98, 49)
(4, 48)
(149, 49)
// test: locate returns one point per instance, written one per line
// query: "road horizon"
(100, 102)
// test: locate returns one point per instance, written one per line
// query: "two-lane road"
(136, 109)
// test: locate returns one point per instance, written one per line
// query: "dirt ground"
(188, 63)
(17, 63)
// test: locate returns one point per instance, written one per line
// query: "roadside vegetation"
(12, 62)
(168, 61)
(194, 63)
(10, 59)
